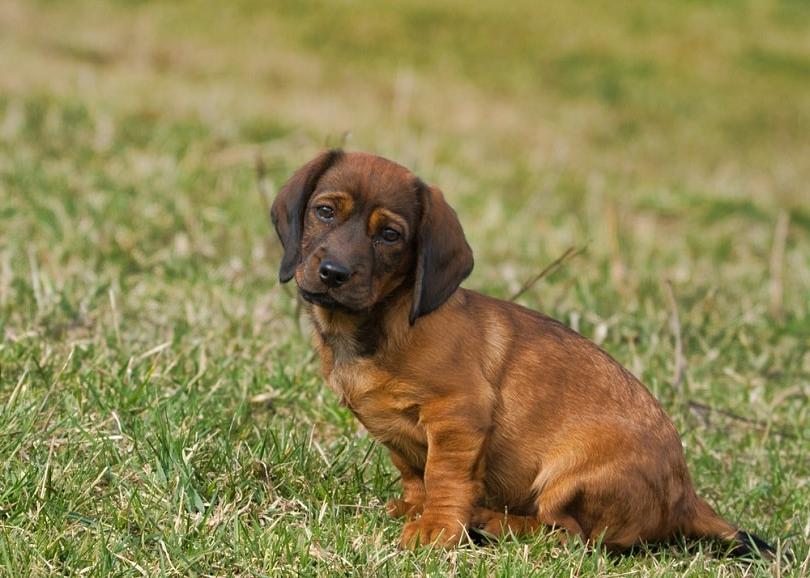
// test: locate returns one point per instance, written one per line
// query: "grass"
(161, 410)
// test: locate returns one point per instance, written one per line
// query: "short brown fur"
(496, 416)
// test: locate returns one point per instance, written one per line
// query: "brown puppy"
(487, 408)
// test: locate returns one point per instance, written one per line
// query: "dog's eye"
(325, 212)
(390, 235)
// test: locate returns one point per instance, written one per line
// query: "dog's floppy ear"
(443, 259)
(287, 211)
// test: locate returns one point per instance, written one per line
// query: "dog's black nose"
(333, 274)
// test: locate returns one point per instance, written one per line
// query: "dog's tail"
(706, 523)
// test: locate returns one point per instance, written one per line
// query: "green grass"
(161, 410)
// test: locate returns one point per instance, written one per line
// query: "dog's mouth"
(322, 300)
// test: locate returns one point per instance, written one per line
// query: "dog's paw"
(428, 530)
(498, 524)
(403, 509)
(488, 521)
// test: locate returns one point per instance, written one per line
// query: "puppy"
(496, 416)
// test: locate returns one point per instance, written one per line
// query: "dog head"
(356, 227)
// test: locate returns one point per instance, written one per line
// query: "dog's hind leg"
(502, 523)
(554, 510)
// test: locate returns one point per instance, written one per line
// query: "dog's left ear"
(444, 259)
(288, 209)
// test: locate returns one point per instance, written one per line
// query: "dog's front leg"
(413, 489)
(453, 477)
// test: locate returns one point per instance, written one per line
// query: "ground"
(161, 410)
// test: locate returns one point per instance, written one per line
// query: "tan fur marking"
(342, 202)
(382, 217)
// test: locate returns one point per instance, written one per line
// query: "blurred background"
(586, 123)
(139, 303)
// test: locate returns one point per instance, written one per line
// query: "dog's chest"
(354, 381)
(380, 400)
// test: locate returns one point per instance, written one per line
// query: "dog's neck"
(353, 335)
(339, 332)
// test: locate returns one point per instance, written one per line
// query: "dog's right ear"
(288, 209)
